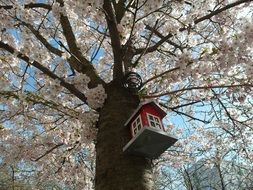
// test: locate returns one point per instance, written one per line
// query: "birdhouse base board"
(149, 143)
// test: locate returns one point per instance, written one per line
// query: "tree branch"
(46, 71)
(77, 60)
(28, 6)
(161, 36)
(187, 104)
(185, 114)
(120, 9)
(154, 47)
(43, 40)
(160, 75)
(48, 151)
(144, 50)
(36, 99)
(198, 88)
(213, 13)
(115, 39)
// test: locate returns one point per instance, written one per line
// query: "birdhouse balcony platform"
(149, 142)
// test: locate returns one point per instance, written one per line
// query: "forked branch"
(45, 70)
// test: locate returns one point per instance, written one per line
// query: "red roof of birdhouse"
(152, 102)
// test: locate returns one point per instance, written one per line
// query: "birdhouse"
(149, 138)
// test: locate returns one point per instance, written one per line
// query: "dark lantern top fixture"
(132, 81)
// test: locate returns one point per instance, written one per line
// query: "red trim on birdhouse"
(140, 107)
(150, 109)
(144, 117)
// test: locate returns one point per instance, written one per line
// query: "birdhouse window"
(136, 125)
(154, 121)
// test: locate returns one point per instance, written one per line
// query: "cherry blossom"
(63, 61)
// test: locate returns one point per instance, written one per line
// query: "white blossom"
(96, 97)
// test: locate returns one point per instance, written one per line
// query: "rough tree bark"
(115, 170)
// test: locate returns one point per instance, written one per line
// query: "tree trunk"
(115, 170)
